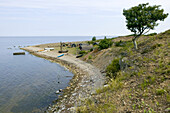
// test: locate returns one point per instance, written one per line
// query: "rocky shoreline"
(86, 80)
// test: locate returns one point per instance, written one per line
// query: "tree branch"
(147, 31)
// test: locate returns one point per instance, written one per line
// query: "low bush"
(82, 52)
(160, 91)
(94, 39)
(120, 44)
(155, 46)
(91, 49)
(113, 68)
(123, 44)
(105, 43)
(90, 42)
(90, 57)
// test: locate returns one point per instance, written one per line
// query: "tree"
(143, 18)
(94, 38)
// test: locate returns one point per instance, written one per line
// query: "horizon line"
(62, 36)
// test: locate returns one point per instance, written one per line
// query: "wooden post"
(61, 45)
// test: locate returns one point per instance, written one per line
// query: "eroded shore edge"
(74, 93)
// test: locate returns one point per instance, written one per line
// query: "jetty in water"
(19, 53)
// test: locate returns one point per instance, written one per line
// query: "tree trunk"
(135, 43)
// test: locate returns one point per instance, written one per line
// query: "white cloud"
(78, 6)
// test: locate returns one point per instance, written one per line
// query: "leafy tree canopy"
(142, 18)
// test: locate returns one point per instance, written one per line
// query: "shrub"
(113, 68)
(90, 42)
(82, 52)
(90, 57)
(125, 44)
(155, 46)
(118, 44)
(160, 91)
(105, 43)
(91, 49)
(94, 38)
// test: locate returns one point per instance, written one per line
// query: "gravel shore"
(87, 78)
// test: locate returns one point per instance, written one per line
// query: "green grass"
(73, 50)
(82, 52)
(114, 85)
(149, 68)
(90, 57)
(148, 81)
(168, 98)
(107, 107)
(160, 91)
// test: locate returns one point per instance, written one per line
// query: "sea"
(28, 83)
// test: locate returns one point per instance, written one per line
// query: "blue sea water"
(28, 83)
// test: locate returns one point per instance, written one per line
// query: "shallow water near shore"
(28, 83)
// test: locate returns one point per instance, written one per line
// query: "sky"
(70, 17)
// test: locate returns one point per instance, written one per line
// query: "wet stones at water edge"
(58, 91)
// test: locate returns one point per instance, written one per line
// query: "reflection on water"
(28, 83)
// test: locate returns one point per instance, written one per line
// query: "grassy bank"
(138, 81)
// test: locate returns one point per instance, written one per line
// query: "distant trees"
(94, 39)
(143, 18)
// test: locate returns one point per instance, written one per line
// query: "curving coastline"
(86, 80)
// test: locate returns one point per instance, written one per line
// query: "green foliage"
(134, 106)
(101, 90)
(118, 44)
(168, 98)
(107, 107)
(91, 49)
(148, 81)
(160, 91)
(94, 39)
(90, 57)
(82, 52)
(123, 44)
(116, 85)
(90, 42)
(144, 84)
(113, 68)
(156, 45)
(105, 43)
(142, 18)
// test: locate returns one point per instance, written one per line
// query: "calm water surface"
(28, 83)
